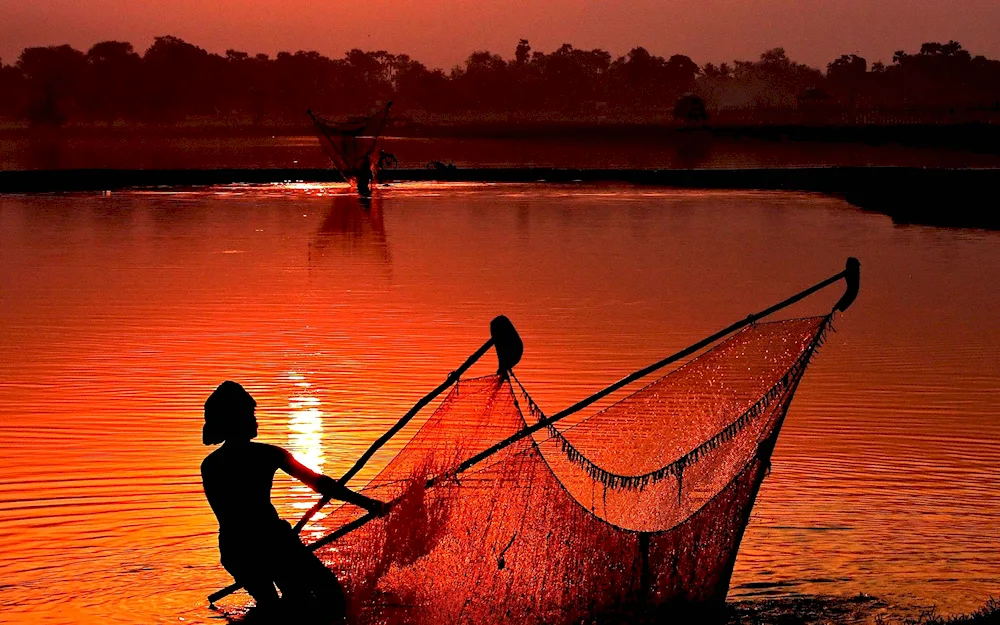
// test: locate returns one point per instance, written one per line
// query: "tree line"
(175, 80)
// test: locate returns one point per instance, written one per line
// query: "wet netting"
(643, 503)
(350, 144)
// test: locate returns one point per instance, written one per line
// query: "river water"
(119, 313)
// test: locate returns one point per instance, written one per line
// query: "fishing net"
(643, 503)
(351, 143)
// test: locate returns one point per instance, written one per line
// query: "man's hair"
(228, 411)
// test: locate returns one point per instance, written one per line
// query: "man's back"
(237, 479)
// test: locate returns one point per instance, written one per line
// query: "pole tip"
(852, 275)
(507, 343)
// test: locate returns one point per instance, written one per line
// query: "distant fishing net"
(642, 504)
(350, 143)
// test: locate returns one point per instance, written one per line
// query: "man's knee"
(262, 591)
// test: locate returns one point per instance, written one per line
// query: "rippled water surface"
(120, 313)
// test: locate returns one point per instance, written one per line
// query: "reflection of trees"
(693, 149)
(352, 226)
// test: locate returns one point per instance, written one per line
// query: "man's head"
(229, 415)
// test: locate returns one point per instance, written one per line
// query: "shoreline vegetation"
(176, 84)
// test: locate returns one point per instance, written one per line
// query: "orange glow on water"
(120, 313)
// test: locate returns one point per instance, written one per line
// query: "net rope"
(643, 503)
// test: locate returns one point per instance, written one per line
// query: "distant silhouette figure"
(363, 178)
(258, 548)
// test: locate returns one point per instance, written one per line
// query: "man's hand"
(333, 489)
(378, 508)
(329, 487)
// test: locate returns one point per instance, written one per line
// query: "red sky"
(441, 33)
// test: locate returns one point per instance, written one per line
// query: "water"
(120, 313)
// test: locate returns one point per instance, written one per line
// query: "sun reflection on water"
(305, 435)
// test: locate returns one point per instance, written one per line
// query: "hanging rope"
(676, 468)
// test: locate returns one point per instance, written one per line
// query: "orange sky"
(441, 33)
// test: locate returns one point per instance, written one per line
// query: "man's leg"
(251, 571)
(304, 579)
(263, 592)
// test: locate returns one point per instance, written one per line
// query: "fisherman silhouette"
(363, 179)
(257, 547)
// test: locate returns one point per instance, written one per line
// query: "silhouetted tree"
(775, 80)
(943, 74)
(113, 80)
(52, 75)
(849, 69)
(483, 83)
(310, 80)
(180, 78)
(13, 103)
(416, 87)
(847, 76)
(523, 52)
(681, 73)
(568, 78)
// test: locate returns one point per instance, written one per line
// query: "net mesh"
(642, 504)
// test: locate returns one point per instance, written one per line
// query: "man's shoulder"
(265, 450)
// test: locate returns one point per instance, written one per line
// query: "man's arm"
(325, 485)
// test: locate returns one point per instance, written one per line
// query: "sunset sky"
(441, 33)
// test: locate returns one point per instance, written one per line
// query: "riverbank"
(940, 197)
(975, 137)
